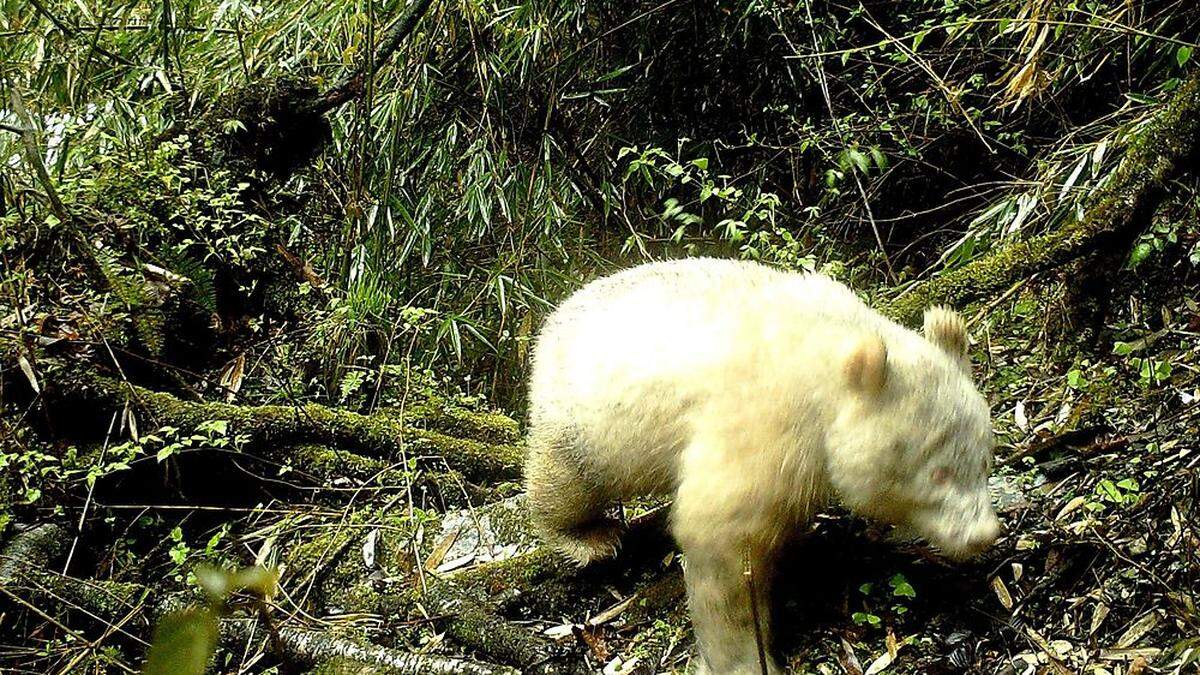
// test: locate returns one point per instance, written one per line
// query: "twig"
(754, 614)
(91, 488)
(56, 623)
(987, 309)
(950, 96)
(833, 119)
(70, 32)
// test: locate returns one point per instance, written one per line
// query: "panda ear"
(866, 367)
(946, 329)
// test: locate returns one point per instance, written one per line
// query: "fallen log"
(1156, 153)
(384, 434)
(25, 577)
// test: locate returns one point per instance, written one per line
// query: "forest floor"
(402, 534)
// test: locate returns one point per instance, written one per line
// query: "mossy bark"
(1156, 153)
(382, 435)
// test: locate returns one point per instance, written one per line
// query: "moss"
(439, 414)
(333, 563)
(380, 436)
(652, 643)
(328, 463)
(345, 667)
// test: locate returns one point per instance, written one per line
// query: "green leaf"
(701, 163)
(1122, 348)
(1162, 370)
(861, 618)
(879, 158)
(901, 587)
(183, 643)
(1108, 490)
(918, 39)
(859, 160)
(1075, 380)
(1183, 54)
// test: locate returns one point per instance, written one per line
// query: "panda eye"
(940, 475)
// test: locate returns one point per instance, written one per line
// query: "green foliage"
(136, 302)
(183, 643)
(878, 605)
(184, 640)
(505, 154)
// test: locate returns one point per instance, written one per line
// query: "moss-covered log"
(1156, 153)
(325, 467)
(33, 547)
(114, 604)
(482, 607)
(309, 648)
(384, 435)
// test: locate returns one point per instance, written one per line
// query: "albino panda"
(752, 397)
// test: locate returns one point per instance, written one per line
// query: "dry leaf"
(368, 548)
(612, 612)
(1048, 650)
(620, 667)
(231, 376)
(1098, 615)
(129, 421)
(559, 632)
(879, 664)
(1019, 416)
(440, 549)
(594, 643)
(1070, 506)
(1137, 630)
(27, 368)
(1002, 593)
(848, 660)
(1129, 654)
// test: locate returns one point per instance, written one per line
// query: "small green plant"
(1150, 371)
(895, 600)
(1122, 493)
(1160, 236)
(698, 197)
